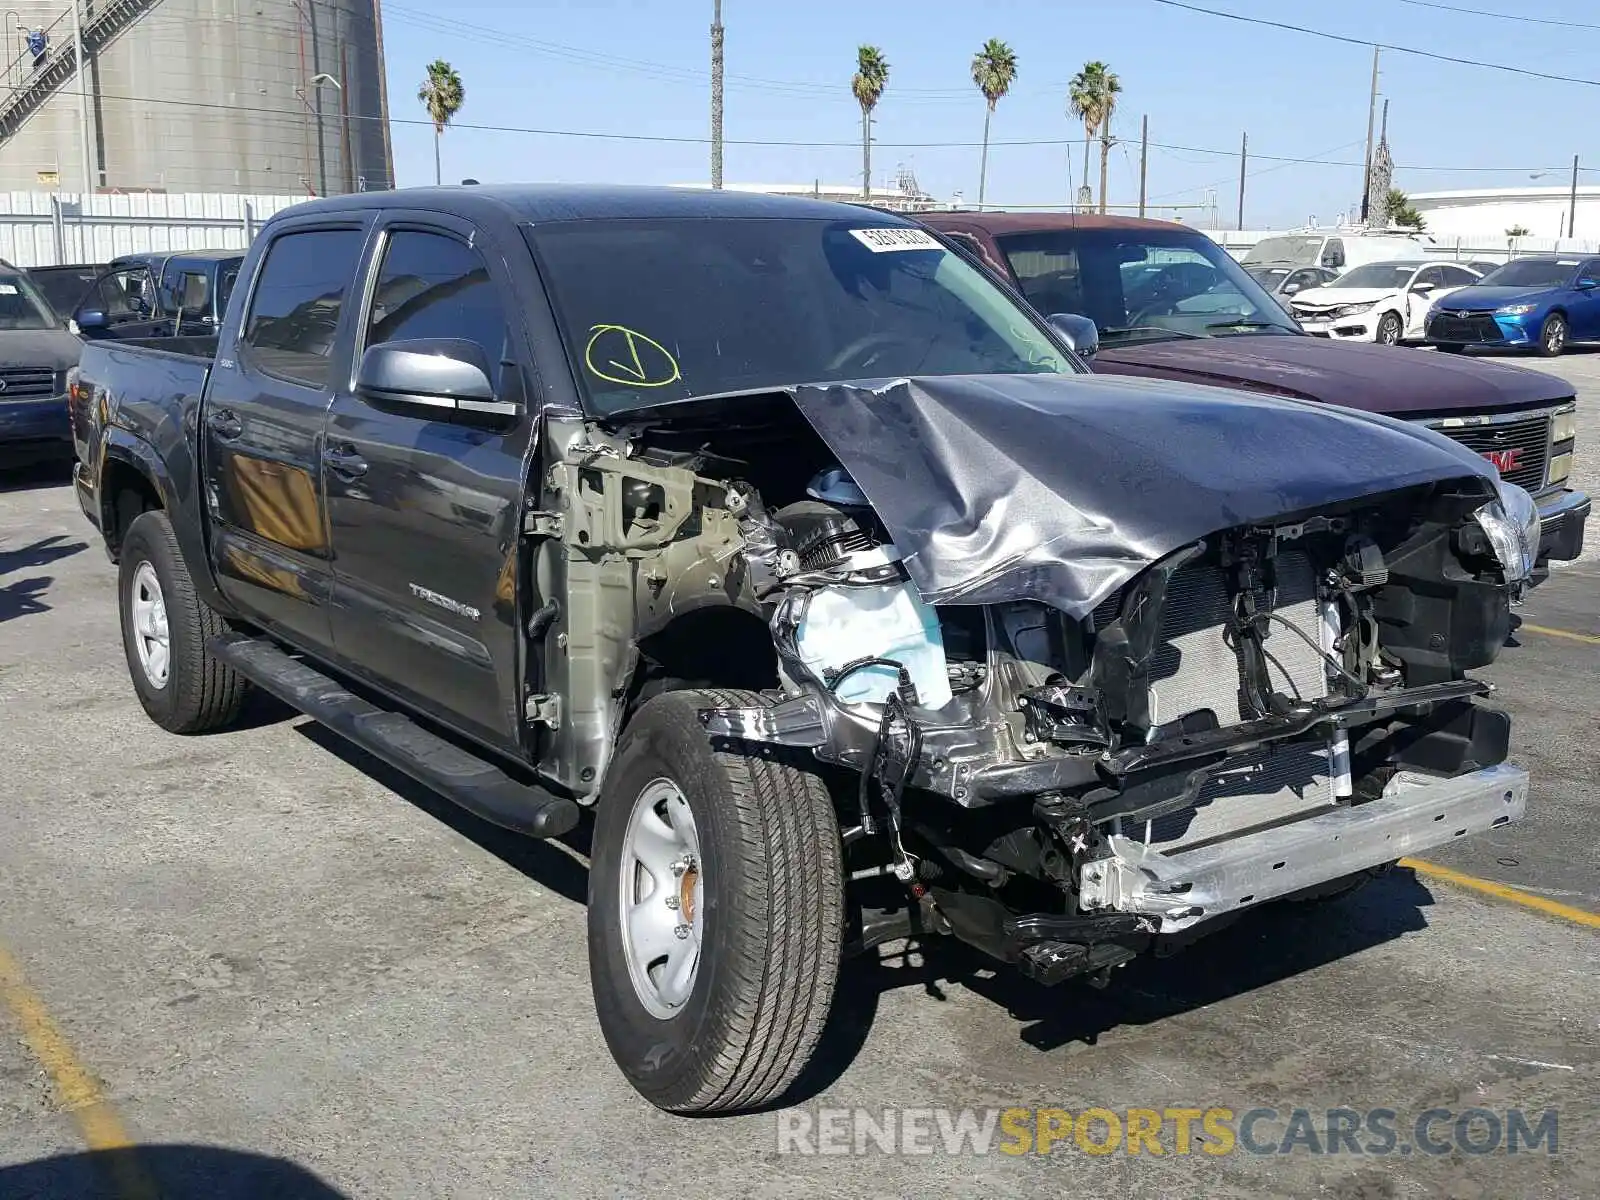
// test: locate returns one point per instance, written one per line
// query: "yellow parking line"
(1501, 891)
(1560, 633)
(76, 1089)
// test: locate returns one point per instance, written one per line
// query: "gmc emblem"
(1505, 460)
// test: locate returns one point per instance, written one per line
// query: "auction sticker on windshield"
(884, 238)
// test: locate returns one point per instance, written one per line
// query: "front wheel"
(1389, 330)
(1553, 337)
(716, 911)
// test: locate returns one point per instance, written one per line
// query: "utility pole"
(1372, 113)
(83, 105)
(716, 94)
(1572, 205)
(1144, 159)
(1244, 157)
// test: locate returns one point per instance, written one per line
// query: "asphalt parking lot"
(276, 969)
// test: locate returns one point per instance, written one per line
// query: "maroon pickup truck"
(1169, 303)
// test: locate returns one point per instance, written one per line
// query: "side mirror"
(1422, 289)
(1079, 332)
(1588, 285)
(1290, 289)
(441, 375)
(91, 318)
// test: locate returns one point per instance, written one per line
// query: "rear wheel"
(1553, 336)
(716, 912)
(165, 628)
(1389, 330)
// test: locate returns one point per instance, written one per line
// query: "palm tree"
(872, 76)
(442, 95)
(1402, 214)
(1092, 98)
(994, 70)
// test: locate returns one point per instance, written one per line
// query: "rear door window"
(299, 297)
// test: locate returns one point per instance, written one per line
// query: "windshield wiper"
(1248, 325)
(1177, 333)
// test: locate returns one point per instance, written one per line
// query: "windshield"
(1377, 275)
(1142, 283)
(659, 310)
(21, 306)
(1302, 249)
(1532, 272)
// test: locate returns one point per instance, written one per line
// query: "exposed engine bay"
(1073, 699)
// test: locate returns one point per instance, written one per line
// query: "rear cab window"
(298, 298)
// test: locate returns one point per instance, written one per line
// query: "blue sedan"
(1535, 303)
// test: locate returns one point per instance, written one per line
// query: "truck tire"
(721, 1011)
(165, 628)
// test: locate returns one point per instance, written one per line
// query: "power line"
(1500, 16)
(303, 115)
(1355, 41)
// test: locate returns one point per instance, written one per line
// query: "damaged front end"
(1103, 662)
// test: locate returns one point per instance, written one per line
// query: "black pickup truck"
(813, 562)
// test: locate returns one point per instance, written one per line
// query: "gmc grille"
(1518, 448)
(22, 382)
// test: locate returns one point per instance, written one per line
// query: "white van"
(1339, 251)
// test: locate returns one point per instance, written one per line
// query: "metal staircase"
(30, 84)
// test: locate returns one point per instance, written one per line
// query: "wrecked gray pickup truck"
(809, 559)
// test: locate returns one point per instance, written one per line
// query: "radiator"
(1194, 669)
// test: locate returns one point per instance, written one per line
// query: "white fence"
(1486, 246)
(43, 229)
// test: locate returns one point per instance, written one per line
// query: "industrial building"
(1544, 212)
(234, 96)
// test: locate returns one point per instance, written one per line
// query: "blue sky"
(641, 68)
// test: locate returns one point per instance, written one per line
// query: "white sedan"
(1383, 302)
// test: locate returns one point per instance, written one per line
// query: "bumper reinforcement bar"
(1415, 813)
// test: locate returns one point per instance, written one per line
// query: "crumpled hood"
(53, 348)
(1333, 297)
(1350, 374)
(1063, 488)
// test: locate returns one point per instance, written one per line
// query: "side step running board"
(475, 784)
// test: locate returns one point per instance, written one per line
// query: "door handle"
(343, 460)
(225, 423)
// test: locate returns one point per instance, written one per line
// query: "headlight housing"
(1515, 310)
(1350, 310)
(1564, 426)
(1511, 524)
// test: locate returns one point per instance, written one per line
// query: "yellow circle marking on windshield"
(618, 354)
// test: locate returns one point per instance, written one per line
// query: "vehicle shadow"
(561, 865)
(172, 1172)
(25, 597)
(47, 474)
(1264, 947)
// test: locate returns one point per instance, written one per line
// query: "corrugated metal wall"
(42, 229)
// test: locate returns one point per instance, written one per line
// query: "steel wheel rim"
(147, 612)
(661, 890)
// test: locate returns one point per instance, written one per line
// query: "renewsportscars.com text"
(1166, 1131)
